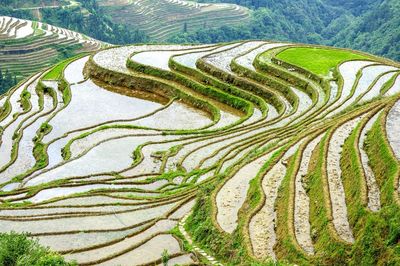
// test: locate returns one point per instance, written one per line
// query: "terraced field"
(218, 154)
(27, 47)
(160, 19)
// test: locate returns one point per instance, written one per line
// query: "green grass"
(317, 60)
(353, 180)
(383, 164)
(56, 72)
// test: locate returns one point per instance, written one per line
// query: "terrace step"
(128, 152)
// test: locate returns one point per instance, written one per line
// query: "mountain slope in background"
(371, 25)
(376, 31)
(27, 47)
(160, 19)
(82, 16)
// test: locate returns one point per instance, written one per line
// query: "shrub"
(19, 250)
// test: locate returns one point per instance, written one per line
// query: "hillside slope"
(83, 16)
(235, 153)
(371, 26)
(377, 30)
(160, 19)
(27, 47)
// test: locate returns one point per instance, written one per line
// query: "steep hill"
(237, 153)
(377, 30)
(160, 19)
(27, 47)
(124, 22)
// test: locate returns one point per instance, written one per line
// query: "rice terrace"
(253, 152)
(160, 19)
(29, 46)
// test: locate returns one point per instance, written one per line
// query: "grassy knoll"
(317, 60)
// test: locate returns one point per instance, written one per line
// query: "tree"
(7, 80)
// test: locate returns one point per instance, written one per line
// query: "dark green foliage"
(96, 24)
(301, 21)
(7, 10)
(7, 80)
(18, 249)
(376, 31)
(355, 6)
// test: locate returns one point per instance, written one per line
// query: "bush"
(18, 249)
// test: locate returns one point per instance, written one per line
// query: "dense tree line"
(264, 24)
(300, 21)
(306, 21)
(376, 31)
(9, 11)
(7, 80)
